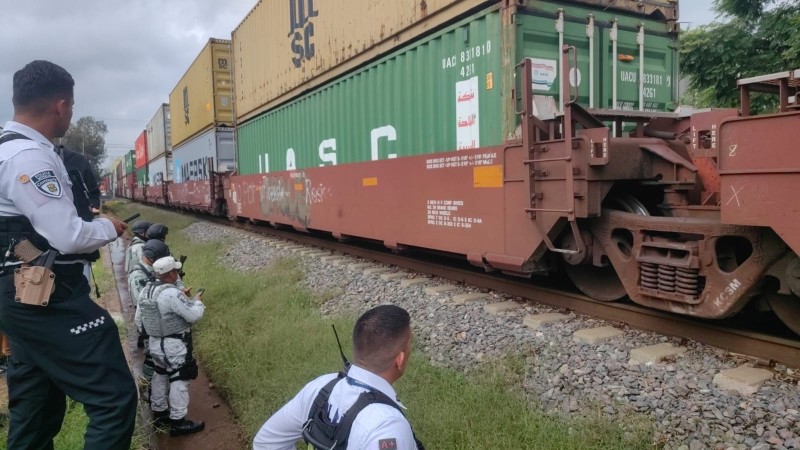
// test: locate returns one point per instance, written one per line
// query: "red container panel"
(130, 183)
(760, 173)
(192, 195)
(469, 202)
(155, 194)
(139, 193)
(141, 150)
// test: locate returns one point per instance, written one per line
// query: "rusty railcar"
(648, 205)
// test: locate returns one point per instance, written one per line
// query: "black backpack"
(322, 434)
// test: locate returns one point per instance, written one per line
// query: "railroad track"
(765, 349)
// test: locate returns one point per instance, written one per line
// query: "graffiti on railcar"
(286, 197)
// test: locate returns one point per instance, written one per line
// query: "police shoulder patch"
(47, 183)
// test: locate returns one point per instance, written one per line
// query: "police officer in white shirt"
(66, 345)
(381, 348)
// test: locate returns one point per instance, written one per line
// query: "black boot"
(185, 426)
(161, 419)
(141, 341)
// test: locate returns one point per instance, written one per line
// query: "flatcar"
(529, 139)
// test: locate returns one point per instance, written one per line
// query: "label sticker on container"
(543, 73)
(487, 176)
(467, 114)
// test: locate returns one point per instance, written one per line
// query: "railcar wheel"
(599, 283)
(603, 283)
(787, 308)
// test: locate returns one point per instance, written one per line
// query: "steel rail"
(764, 348)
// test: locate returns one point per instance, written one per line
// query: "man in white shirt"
(381, 348)
(68, 345)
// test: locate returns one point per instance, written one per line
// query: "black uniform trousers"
(69, 347)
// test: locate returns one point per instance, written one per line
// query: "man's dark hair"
(379, 335)
(39, 82)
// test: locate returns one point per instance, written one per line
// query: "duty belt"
(18, 228)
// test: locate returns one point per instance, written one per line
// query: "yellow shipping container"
(204, 96)
(283, 48)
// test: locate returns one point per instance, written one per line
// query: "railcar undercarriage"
(663, 215)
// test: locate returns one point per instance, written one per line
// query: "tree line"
(753, 37)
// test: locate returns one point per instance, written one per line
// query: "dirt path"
(221, 432)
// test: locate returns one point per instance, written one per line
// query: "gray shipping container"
(159, 170)
(191, 159)
(159, 134)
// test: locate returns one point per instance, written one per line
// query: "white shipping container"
(157, 171)
(159, 133)
(213, 150)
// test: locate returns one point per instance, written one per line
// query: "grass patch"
(262, 339)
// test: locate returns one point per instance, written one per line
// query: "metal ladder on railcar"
(537, 134)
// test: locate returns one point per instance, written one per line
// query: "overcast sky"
(126, 56)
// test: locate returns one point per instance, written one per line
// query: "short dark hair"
(379, 335)
(41, 81)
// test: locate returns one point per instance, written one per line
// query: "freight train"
(527, 137)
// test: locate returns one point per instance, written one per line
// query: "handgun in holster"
(34, 280)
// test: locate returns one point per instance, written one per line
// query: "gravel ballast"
(567, 377)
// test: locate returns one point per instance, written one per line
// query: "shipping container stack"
(201, 111)
(310, 105)
(159, 154)
(117, 176)
(130, 174)
(141, 166)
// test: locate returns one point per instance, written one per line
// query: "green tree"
(757, 37)
(88, 136)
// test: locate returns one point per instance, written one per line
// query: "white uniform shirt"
(375, 425)
(34, 183)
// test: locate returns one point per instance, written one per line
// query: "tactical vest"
(154, 323)
(17, 228)
(137, 280)
(134, 253)
(322, 434)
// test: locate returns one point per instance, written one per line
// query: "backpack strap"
(335, 435)
(364, 400)
(11, 136)
(318, 426)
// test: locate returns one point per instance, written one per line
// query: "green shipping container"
(454, 89)
(141, 176)
(130, 162)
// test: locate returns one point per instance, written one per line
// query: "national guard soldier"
(139, 276)
(356, 409)
(142, 271)
(157, 231)
(63, 343)
(134, 252)
(166, 315)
